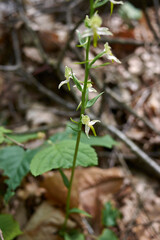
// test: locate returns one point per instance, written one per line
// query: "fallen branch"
(144, 158)
(1, 235)
(145, 120)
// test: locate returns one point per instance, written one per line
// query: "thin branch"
(1, 235)
(124, 41)
(15, 142)
(145, 120)
(31, 80)
(145, 159)
(17, 54)
(156, 7)
(63, 51)
(149, 21)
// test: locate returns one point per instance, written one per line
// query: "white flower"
(94, 28)
(88, 124)
(89, 87)
(110, 56)
(68, 76)
(116, 2)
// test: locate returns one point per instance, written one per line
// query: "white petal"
(103, 31)
(111, 57)
(87, 128)
(115, 2)
(87, 33)
(62, 83)
(91, 123)
(91, 89)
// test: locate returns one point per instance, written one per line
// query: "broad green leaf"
(74, 236)
(108, 234)
(4, 130)
(22, 138)
(65, 179)
(100, 3)
(15, 163)
(77, 210)
(105, 141)
(110, 215)
(60, 155)
(1, 138)
(10, 228)
(93, 100)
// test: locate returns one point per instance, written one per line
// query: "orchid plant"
(93, 31)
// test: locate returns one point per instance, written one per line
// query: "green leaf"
(75, 235)
(22, 138)
(65, 179)
(77, 210)
(9, 227)
(129, 12)
(60, 155)
(76, 81)
(99, 3)
(110, 215)
(107, 234)
(101, 65)
(105, 141)
(93, 100)
(15, 163)
(2, 132)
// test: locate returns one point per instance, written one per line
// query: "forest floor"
(37, 41)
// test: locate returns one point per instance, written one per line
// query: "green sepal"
(65, 179)
(91, 102)
(77, 210)
(83, 41)
(99, 3)
(112, 5)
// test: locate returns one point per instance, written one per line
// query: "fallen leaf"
(45, 224)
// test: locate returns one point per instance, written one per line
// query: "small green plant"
(73, 147)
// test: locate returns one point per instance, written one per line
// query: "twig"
(14, 141)
(1, 235)
(156, 7)
(145, 159)
(63, 51)
(124, 41)
(145, 120)
(31, 80)
(17, 54)
(140, 201)
(149, 22)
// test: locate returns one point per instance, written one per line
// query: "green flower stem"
(80, 125)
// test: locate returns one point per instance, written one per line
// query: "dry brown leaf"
(89, 186)
(45, 224)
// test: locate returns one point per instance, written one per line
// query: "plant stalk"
(80, 126)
